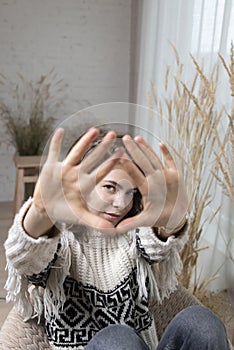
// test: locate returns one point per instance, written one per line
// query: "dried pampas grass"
(194, 113)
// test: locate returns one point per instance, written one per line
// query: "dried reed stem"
(192, 110)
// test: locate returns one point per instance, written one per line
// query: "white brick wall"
(88, 43)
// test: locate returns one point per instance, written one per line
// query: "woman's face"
(112, 197)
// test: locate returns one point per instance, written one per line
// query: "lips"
(112, 216)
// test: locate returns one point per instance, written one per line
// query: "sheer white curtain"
(200, 27)
(203, 28)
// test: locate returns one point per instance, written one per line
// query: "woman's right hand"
(60, 192)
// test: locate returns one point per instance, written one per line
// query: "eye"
(109, 188)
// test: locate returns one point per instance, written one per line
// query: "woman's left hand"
(162, 187)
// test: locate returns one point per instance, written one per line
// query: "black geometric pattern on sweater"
(88, 310)
(141, 249)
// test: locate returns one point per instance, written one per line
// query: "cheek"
(103, 196)
(97, 200)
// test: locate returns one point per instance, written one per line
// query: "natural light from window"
(212, 21)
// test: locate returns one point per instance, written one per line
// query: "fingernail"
(127, 137)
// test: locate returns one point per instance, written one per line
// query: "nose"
(120, 201)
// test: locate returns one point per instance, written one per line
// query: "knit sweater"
(83, 281)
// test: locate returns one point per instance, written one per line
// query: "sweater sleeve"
(154, 250)
(25, 254)
(157, 261)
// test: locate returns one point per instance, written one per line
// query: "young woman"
(99, 242)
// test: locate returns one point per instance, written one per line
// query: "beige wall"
(88, 43)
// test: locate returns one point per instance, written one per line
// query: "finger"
(94, 158)
(133, 171)
(130, 223)
(168, 159)
(138, 156)
(55, 146)
(78, 151)
(107, 166)
(97, 222)
(143, 219)
(149, 152)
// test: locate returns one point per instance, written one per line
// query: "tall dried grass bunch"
(192, 109)
(27, 111)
